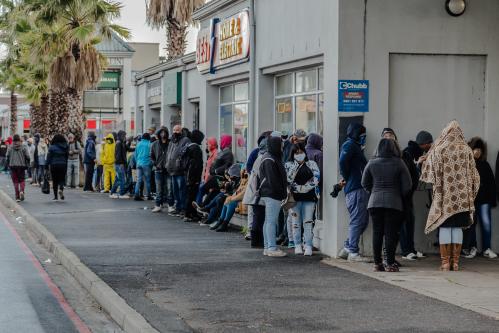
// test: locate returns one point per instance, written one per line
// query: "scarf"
(450, 167)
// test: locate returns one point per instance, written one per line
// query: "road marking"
(56, 292)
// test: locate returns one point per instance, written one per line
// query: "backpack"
(182, 161)
(252, 194)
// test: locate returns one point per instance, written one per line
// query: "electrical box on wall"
(173, 88)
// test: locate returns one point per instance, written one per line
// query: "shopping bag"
(46, 184)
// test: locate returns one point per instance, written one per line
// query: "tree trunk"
(34, 114)
(66, 113)
(75, 121)
(44, 116)
(176, 41)
(13, 113)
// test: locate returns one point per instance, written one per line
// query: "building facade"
(288, 64)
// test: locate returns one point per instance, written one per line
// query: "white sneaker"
(411, 256)
(113, 196)
(124, 196)
(489, 254)
(298, 249)
(420, 255)
(343, 254)
(308, 250)
(264, 252)
(156, 209)
(171, 209)
(355, 257)
(473, 253)
(276, 253)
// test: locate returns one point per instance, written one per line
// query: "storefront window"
(299, 101)
(234, 103)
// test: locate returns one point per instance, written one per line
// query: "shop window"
(299, 101)
(234, 104)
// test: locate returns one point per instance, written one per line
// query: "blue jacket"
(58, 154)
(251, 159)
(89, 156)
(352, 159)
(143, 153)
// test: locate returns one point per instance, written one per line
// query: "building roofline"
(209, 8)
(175, 63)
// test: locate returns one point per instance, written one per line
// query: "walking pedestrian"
(484, 201)
(120, 160)
(273, 189)
(89, 157)
(144, 164)
(17, 163)
(57, 160)
(176, 148)
(31, 151)
(41, 153)
(352, 164)
(194, 156)
(159, 151)
(450, 167)
(73, 172)
(388, 181)
(303, 177)
(107, 159)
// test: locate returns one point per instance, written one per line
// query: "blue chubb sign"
(353, 95)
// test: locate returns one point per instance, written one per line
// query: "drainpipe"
(252, 91)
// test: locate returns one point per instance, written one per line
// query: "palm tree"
(176, 15)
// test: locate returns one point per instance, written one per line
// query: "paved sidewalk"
(182, 277)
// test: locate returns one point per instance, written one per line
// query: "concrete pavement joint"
(124, 315)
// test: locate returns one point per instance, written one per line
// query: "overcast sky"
(133, 16)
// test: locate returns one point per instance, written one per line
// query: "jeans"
(143, 174)
(228, 211)
(482, 216)
(18, 175)
(98, 177)
(200, 194)
(386, 224)
(73, 173)
(213, 206)
(89, 175)
(407, 231)
(303, 214)
(161, 178)
(272, 209)
(179, 192)
(119, 180)
(450, 236)
(359, 219)
(40, 173)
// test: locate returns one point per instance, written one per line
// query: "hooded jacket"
(175, 151)
(159, 150)
(143, 153)
(58, 154)
(108, 150)
(410, 155)
(352, 159)
(212, 155)
(42, 150)
(120, 149)
(17, 155)
(225, 158)
(194, 156)
(314, 150)
(272, 176)
(89, 155)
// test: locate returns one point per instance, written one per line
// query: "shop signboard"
(203, 49)
(109, 80)
(154, 91)
(353, 95)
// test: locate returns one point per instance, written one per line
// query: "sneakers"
(489, 254)
(114, 196)
(298, 250)
(472, 254)
(104, 191)
(308, 251)
(171, 209)
(411, 256)
(276, 253)
(420, 254)
(343, 254)
(175, 213)
(247, 235)
(21, 196)
(124, 196)
(18, 200)
(291, 245)
(61, 194)
(156, 209)
(355, 257)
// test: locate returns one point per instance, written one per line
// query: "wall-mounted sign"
(109, 80)
(154, 91)
(172, 85)
(353, 95)
(225, 42)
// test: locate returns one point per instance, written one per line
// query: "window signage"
(224, 42)
(154, 91)
(353, 95)
(109, 80)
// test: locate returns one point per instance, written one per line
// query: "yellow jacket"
(107, 155)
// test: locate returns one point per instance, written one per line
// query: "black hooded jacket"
(159, 150)
(194, 158)
(120, 149)
(410, 155)
(272, 175)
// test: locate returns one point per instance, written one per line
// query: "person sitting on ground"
(225, 158)
(57, 160)
(194, 166)
(17, 161)
(211, 152)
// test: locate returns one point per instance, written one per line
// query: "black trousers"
(58, 173)
(192, 191)
(89, 175)
(386, 224)
(257, 226)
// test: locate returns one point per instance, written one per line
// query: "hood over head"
(263, 146)
(91, 135)
(212, 143)
(197, 136)
(163, 130)
(110, 138)
(355, 130)
(234, 170)
(477, 143)
(315, 141)
(122, 136)
(274, 145)
(225, 141)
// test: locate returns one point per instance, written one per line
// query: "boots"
(223, 227)
(456, 252)
(445, 254)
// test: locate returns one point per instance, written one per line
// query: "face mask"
(362, 140)
(177, 135)
(299, 157)
(162, 135)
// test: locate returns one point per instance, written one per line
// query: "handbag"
(45, 185)
(290, 201)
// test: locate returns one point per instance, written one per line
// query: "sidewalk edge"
(351, 268)
(124, 315)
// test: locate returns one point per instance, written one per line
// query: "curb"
(124, 315)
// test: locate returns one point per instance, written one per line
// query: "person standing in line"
(303, 179)
(388, 182)
(57, 160)
(35, 163)
(484, 201)
(73, 172)
(18, 162)
(31, 151)
(159, 150)
(194, 159)
(273, 189)
(41, 153)
(120, 160)
(3, 155)
(144, 163)
(107, 158)
(450, 167)
(176, 147)
(352, 164)
(89, 156)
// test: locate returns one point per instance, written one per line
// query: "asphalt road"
(183, 277)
